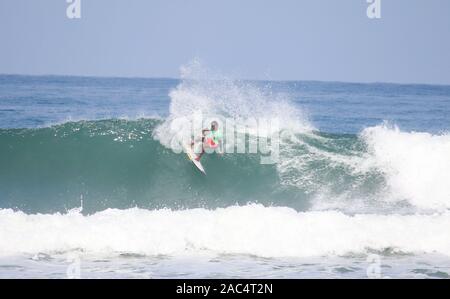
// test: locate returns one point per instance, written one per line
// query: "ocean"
(91, 187)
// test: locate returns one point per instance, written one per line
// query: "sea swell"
(119, 164)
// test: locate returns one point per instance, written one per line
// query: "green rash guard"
(216, 136)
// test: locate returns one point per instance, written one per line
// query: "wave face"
(119, 164)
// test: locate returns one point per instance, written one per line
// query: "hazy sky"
(258, 39)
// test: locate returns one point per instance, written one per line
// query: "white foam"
(251, 229)
(216, 96)
(416, 165)
(297, 158)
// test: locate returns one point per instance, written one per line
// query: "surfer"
(211, 138)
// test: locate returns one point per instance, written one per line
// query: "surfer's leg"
(199, 156)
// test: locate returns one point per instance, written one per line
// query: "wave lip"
(244, 105)
(251, 229)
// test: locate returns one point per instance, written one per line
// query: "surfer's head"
(214, 125)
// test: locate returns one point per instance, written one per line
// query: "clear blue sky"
(258, 39)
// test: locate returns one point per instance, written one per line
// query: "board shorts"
(210, 142)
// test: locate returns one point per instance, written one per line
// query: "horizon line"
(237, 79)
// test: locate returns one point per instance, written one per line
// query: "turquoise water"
(86, 168)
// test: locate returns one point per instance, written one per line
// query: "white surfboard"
(191, 155)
